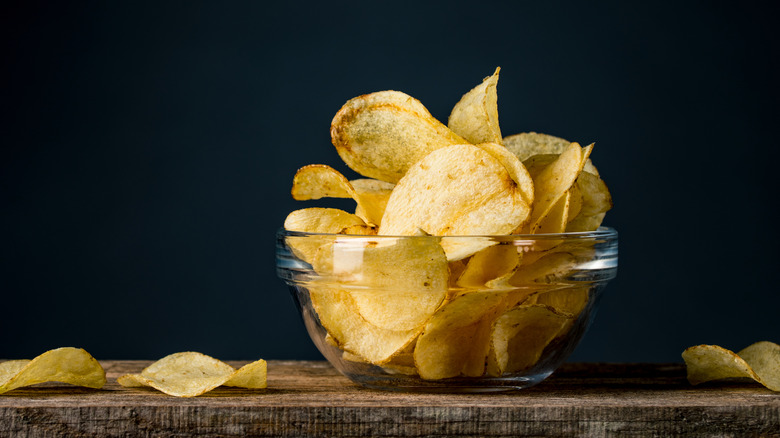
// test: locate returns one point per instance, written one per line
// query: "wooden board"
(312, 399)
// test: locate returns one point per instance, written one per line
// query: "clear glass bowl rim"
(601, 233)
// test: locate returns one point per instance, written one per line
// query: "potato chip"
(317, 220)
(395, 285)
(571, 300)
(381, 135)
(339, 315)
(456, 190)
(554, 180)
(521, 334)
(760, 362)
(596, 201)
(372, 198)
(550, 268)
(528, 144)
(455, 340)
(515, 167)
(190, 374)
(557, 217)
(67, 365)
(317, 181)
(489, 264)
(475, 116)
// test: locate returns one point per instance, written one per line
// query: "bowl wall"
(465, 313)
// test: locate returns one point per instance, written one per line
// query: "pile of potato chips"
(438, 305)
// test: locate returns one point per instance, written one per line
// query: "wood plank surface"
(312, 399)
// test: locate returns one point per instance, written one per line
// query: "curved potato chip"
(760, 362)
(475, 116)
(547, 269)
(317, 220)
(568, 300)
(528, 144)
(396, 285)
(372, 198)
(456, 190)
(317, 181)
(67, 365)
(380, 135)
(339, 315)
(489, 264)
(521, 334)
(189, 374)
(555, 179)
(455, 340)
(596, 201)
(514, 166)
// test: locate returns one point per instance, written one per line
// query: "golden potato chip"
(554, 180)
(317, 181)
(475, 116)
(456, 190)
(760, 362)
(454, 340)
(190, 374)
(381, 135)
(396, 285)
(567, 300)
(321, 220)
(549, 268)
(489, 264)
(596, 201)
(372, 198)
(339, 315)
(317, 220)
(67, 365)
(556, 219)
(521, 334)
(515, 167)
(528, 144)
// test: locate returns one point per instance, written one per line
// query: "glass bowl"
(453, 313)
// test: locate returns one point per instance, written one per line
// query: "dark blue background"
(148, 151)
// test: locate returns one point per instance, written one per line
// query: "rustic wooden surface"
(312, 399)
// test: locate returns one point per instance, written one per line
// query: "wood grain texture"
(312, 399)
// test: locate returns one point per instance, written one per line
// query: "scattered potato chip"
(455, 190)
(381, 135)
(67, 365)
(190, 374)
(475, 116)
(760, 362)
(520, 336)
